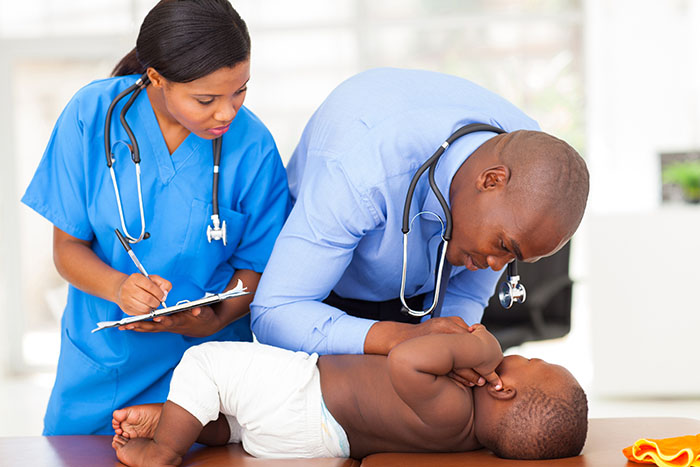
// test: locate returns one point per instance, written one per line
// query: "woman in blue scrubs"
(196, 54)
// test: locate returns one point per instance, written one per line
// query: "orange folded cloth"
(681, 451)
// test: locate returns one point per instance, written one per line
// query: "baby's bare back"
(358, 392)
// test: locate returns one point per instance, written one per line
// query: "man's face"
(491, 231)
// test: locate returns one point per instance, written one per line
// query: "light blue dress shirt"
(349, 176)
(110, 369)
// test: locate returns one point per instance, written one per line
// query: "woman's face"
(208, 105)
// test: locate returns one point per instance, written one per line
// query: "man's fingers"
(456, 320)
(449, 325)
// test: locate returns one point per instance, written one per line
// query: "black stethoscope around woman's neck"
(511, 290)
(216, 231)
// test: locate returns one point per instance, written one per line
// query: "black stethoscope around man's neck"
(217, 231)
(511, 290)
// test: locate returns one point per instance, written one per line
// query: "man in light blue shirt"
(516, 195)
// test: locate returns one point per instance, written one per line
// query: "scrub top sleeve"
(313, 251)
(468, 293)
(58, 189)
(267, 204)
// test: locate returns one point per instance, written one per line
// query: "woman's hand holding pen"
(138, 294)
(203, 321)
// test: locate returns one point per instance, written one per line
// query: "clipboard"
(208, 299)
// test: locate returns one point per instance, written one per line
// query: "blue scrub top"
(100, 372)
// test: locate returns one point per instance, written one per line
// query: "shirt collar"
(448, 165)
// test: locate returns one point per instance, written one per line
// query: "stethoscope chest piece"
(511, 291)
(217, 231)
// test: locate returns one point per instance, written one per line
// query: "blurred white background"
(618, 80)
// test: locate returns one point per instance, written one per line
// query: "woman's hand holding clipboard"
(207, 300)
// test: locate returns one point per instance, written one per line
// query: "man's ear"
(505, 394)
(494, 177)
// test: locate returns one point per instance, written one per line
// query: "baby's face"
(516, 369)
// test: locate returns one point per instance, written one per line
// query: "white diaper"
(271, 398)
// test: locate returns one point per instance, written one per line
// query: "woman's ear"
(494, 177)
(156, 78)
(505, 394)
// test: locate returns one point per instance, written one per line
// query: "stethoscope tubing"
(430, 165)
(218, 232)
(137, 86)
(121, 210)
(438, 280)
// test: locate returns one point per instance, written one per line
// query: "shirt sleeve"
(267, 203)
(468, 293)
(313, 251)
(58, 189)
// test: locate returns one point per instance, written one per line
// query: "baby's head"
(541, 412)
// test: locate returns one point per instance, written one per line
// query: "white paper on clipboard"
(208, 299)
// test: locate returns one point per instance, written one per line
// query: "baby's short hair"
(542, 425)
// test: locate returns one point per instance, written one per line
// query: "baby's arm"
(418, 369)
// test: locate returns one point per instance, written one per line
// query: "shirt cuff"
(349, 334)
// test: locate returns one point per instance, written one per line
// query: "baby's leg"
(216, 433)
(140, 421)
(176, 432)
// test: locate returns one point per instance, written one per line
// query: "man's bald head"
(545, 172)
(519, 195)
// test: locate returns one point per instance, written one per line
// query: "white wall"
(642, 98)
(642, 61)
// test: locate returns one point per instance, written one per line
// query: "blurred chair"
(546, 313)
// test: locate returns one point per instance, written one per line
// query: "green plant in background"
(687, 176)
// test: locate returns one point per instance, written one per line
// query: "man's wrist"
(385, 335)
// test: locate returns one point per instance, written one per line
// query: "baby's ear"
(505, 394)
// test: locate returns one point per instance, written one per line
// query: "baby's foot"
(139, 452)
(137, 421)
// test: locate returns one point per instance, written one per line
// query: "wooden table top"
(606, 439)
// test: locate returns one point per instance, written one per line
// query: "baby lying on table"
(280, 403)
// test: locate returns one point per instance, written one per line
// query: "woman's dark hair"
(187, 39)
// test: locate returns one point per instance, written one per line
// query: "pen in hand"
(133, 257)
